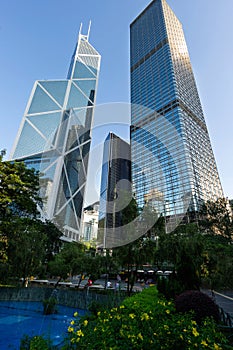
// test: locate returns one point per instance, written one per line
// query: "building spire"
(88, 31)
(89, 28)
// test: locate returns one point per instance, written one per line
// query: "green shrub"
(49, 306)
(201, 304)
(35, 343)
(170, 287)
(144, 321)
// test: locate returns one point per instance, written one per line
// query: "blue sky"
(37, 39)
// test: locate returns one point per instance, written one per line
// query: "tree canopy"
(19, 187)
(26, 242)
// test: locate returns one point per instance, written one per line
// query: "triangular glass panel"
(85, 151)
(78, 117)
(73, 162)
(56, 88)
(67, 221)
(76, 98)
(46, 123)
(81, 71)
(41, 102)
(72, 139)
(91, 62)
(78, 202)
(85, 48)
(46, 185)
(87, 87)
(47, 172)
(63, 194)
(61, 137)
(30, 142)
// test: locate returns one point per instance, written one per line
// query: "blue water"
(18, 318)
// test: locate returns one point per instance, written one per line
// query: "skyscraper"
(173, 165)
(55, 136)
(115, 189)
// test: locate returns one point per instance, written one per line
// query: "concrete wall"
(67, 297)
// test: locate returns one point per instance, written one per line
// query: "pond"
(19, 318)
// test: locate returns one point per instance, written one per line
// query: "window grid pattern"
(163, 92)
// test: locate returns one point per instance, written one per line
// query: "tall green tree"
(217, 218)
(53, 243)
(26, 248)
(140, 251)
(19, 188)
(218, 264)
(18, 198)
(133, 256)
(26, 243)
(184, 250)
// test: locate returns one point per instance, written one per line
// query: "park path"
(222, 299)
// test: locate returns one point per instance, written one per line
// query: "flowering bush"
(144, 322)
(35, 343)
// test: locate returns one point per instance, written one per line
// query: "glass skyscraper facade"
(115, 190)
(173, 165)
(55, 136)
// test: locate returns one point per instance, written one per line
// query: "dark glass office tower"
(115, 190)
(55, 137)
(173, 166)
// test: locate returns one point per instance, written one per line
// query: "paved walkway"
(222, 299)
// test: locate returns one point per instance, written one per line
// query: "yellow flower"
(203, 342)
(76, 314)
(140, 336)
(80, 333)
(72, 322)
(195, 332)
(85, 322)
(132, 316)
(194, 322)
(122, 332)
(145, 317)
(122, 307)
(70, 329)
(98, 313)
(216, 347)
(95, 329)
(168, 311)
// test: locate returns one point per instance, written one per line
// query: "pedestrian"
(118, 278)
